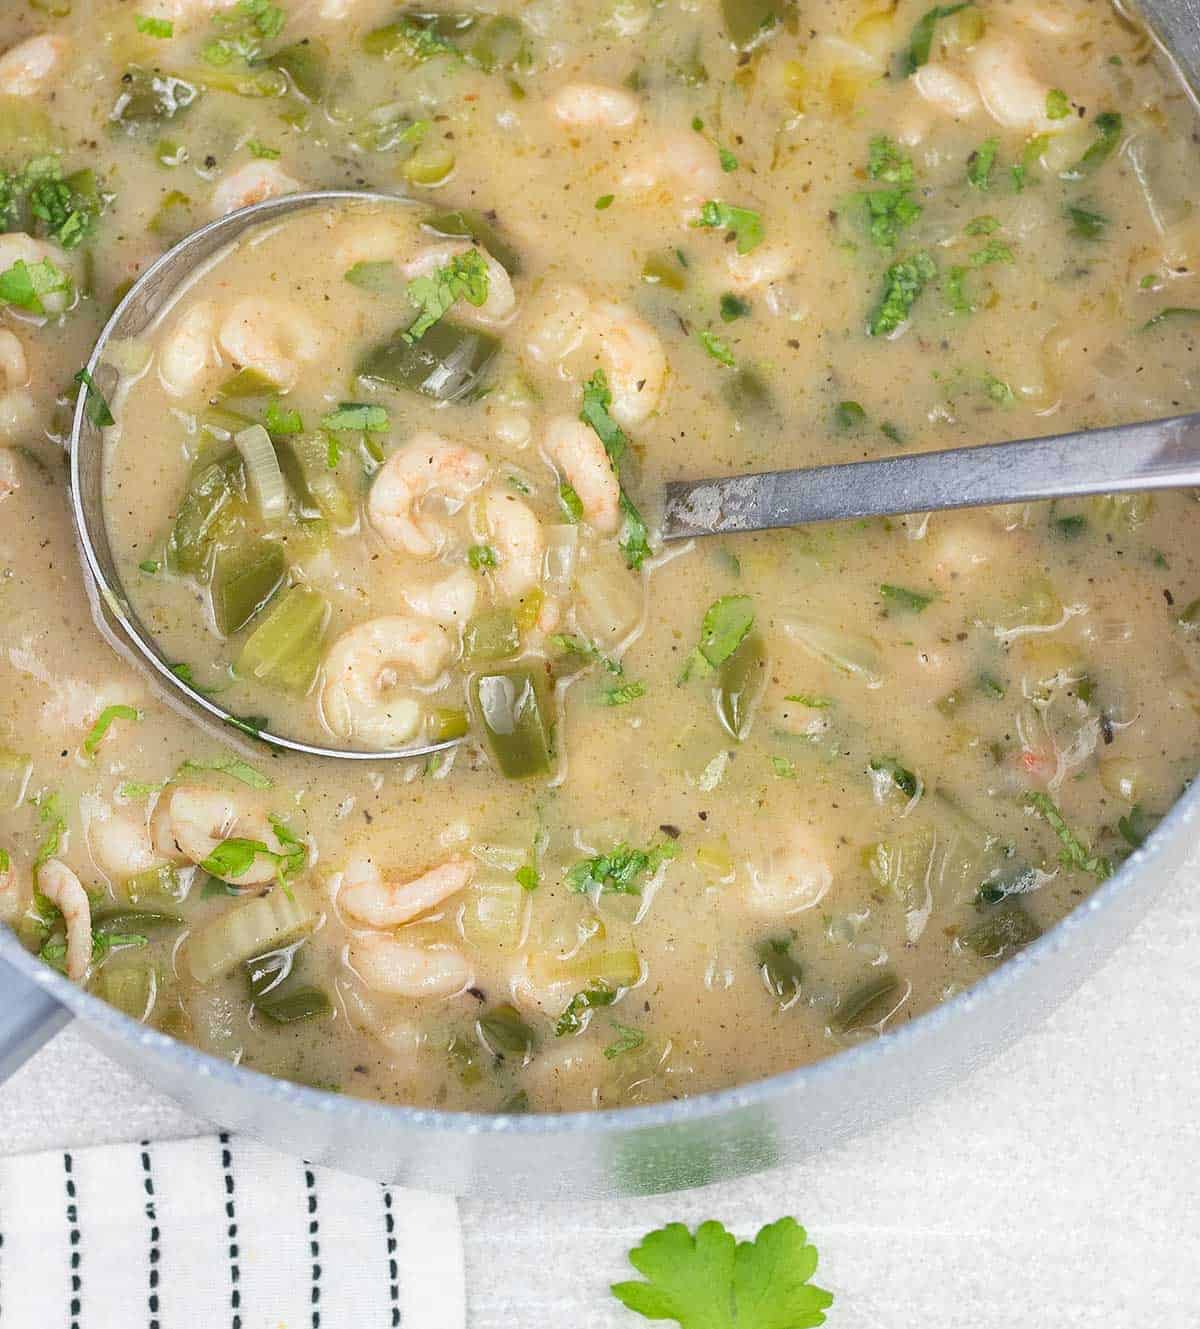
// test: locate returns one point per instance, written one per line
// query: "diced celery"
(1037, 604)
(740, 681)
(505, 1034)
(147, 99)
(715, 858)
(746, 394)
(245, 383)
(748, 22)
(1006, 926)
(214, 495)
(493, 911)
(529, 608)
(475, 226)
(244, 578)
(429, 165)
(499, 42)
(305, 462)
(619, 969)
(131, 988)
(243, 931)
(285, 648)
(665, 270)
(869, 1004)
(451, 723)
(159, 883)
(492, 635)
(173, 220)
(847, 651)
(115, 922)
(514, 714)
(294, 1004)
(306, 65)
(447, 363)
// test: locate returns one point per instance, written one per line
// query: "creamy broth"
(778, 794)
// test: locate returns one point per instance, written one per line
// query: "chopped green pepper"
(740, 681)
(867, 1004)
(306, 65)
(1006, 926)
(208, 509)
(514, 714)
(448, 363)
(748, 22)
(304, 459)
(505, 1034)
(492, 635)
(244, 578)
(475, 226)
(285, 648)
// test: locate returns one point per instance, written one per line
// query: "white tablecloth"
(1058, 1188)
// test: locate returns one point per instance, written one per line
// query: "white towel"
(219, 1233)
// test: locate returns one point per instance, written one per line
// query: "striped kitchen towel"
(219, 1233)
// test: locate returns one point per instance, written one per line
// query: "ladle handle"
(1160, 454)
(29, 1017)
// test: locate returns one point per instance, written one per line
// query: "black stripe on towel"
(152, 1219)
(231, 1231)
(389, 1227)
(314, 1244)
(73, 1238)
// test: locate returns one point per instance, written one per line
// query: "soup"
(390, 474)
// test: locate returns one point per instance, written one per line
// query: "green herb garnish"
(902, 283)
(920, 41)
(1074, 853)
(746, 226)
(902, 598)
(357, 417)
(464, 277)
(725, 625)
(717, 348)
(110, 713)
(620, 870)
(98, 410)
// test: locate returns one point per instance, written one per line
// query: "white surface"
(1060, 1187)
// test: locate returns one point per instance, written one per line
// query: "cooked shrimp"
(405, 969)
(765, 266)
(946, 91)
(579, 456)
(1011, 94)
(65, 891)
(10, 474)
(18, 411)
(18, 247)
(429, 464)
(196, 821)
(633, 357)
(380, 902)
(358, 699)
(594, 106)
(254, 182)
(497, 308)
(516, 535)
(121, 847)
(451, 600)
(676, 167)
(11, 893)
(559, 324)
(793, 877)
(24, 68)
(188, 350)
(270, 336)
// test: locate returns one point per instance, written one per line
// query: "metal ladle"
(1159, 454)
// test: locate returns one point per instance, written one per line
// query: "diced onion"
(244, 931)
(844, 650)
(562, 547)
(262, 471)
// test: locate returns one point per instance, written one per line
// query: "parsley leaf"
(886, 162)
(465, 276)
(1074, 853)
(900, 597)
(356, 416)
(231, 766)
(623, 693)
(24, 284)
(574, 1019)
(627, 1040)
(1058, 104)
(725, 625)
(98, 410)
(481, 556)
(234, 856)
(981, 162)
(733, 307)
(904, 780)
(903, 282)
(110, 713)
(746, 226)
(282, 420)
(717, 348)
(261, 150)
(888, 212)
(710, 1280)
(920, 41)
(634, 538)
(620, 870)
(1108, 126)
(154, 27)
(1086, 223)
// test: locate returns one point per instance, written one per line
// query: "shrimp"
(594, 106)
(429, 464)
(19, 247)
(10, 893)
(633, 357)
(121, 847)
(516, 536)
(946, 91)
(764, 267)
(369, 897)
(194, 822)
(559, 324)
(360, 672)
(65, 891)
(497, 308)
(255, 182)
(794, 876)
(676, 168)
(405, 969)
(1011, 94)
(24, 68)
(451, 600)
(579, 455)
(18, 410)
(188, 350)
(270, 336)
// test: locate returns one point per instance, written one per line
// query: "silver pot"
(639, 1150)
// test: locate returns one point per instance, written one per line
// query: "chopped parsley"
(733, 307)
(357, 416)
(25, 285)
(98, 410)
(604, 202)
(1074, 853)
(904, 780)
(984, 225)
(571, 503)
(104, 722)
(261, 150)
(623, 693)
(634, 538)
(154, 27)
(234, 767)
(903, 282)
(481, 556)
(464, 277)
(886, 162)
(849, 415)
(586, 650)
(981, 162)
(746, 226)
(282, 420)
(65, 208)
(920, 41)
(726, 623)
(235, 856)
(1058, 104)
(574, 1019)
(627, 1040)
(620, 871)
(784, 767)
(888, 212)
(1108, 126)
(1170, 314)
(710, 1280)
(245, 29)
(1086, 223)
(717, 348)
(900, 597)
